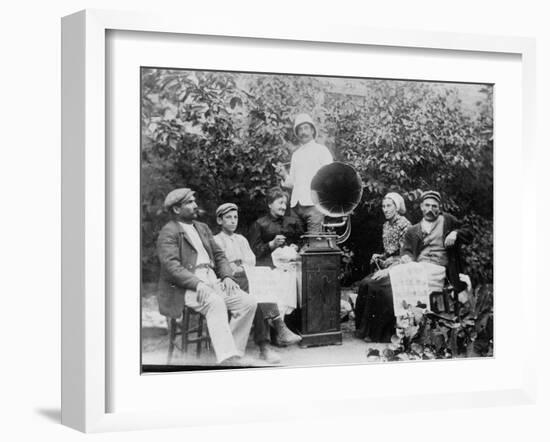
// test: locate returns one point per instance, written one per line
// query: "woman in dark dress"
(272, 231)
(275, 229)
(374, 315)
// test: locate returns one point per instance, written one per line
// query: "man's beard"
(192, 215)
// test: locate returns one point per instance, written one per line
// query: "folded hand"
(230, 286)
(375, 256)
(450, 239)
(203, 292)
(380, 274)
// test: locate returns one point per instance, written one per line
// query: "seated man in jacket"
(435, 241)
(195, 272)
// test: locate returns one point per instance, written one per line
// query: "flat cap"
(225, 208)
(177, 196)
(431, 194)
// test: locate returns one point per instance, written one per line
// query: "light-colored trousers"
(228, 338)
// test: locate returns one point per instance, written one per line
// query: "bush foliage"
(221, 133)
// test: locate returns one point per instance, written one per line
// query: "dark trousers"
(374, 314)
(264, 312)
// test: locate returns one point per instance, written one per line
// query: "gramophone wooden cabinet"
(320, 311)
(336, 189)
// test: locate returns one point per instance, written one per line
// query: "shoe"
(247, 361)
(283, 336)
(229, 362)
(268, 355)
(237, 361)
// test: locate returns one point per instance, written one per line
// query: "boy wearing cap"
(195, 272)
(240, 256)
(305, 163)
(236, 247)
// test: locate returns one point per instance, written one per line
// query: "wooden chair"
(445, 301)
(186, 330)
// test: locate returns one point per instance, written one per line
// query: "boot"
(269, 355)
(283, 336)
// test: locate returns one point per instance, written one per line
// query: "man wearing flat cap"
(435, 242)
(195, 272)
(436, 239)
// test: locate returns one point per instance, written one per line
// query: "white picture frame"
(85, 218)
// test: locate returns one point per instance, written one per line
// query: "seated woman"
(275, 231)
(241, 257)
(374, 316)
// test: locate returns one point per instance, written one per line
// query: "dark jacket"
(265, 229)
(178, 259)
(413, 245)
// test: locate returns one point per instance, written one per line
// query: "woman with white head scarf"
(373, 316)
(393, 230)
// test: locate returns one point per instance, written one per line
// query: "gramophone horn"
(336, 189)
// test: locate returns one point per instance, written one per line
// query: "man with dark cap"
(195, 272)
(434, 241)
(305, 163)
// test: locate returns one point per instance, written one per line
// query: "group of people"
(433, 243)
(208, 273)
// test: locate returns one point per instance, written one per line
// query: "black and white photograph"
(243, 221)
(307, 220)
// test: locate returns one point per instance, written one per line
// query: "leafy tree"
(220, 133)
(408, 137)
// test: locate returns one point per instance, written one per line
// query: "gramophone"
(336, 190)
